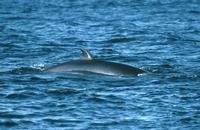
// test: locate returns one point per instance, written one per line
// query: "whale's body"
(89, 65)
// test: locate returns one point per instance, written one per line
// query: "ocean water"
(160, 37)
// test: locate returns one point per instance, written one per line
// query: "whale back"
(88, 64)
(96, 66)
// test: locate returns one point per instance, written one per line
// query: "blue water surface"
(161, 37)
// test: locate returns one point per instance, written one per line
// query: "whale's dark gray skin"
(90, 65)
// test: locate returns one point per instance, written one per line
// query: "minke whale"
(90, 65)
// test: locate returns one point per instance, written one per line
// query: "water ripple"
(161, 37)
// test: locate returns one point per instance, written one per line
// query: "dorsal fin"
(86, 54)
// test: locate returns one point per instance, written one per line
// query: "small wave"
(8, 123)
(17, 96)
(121, 40)
(10, 115)
(163, 68)
(63, 92)
(97, 99)
(16, 18)
(105, 99)
(26, 70)
(61, 120)
(183, 77)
